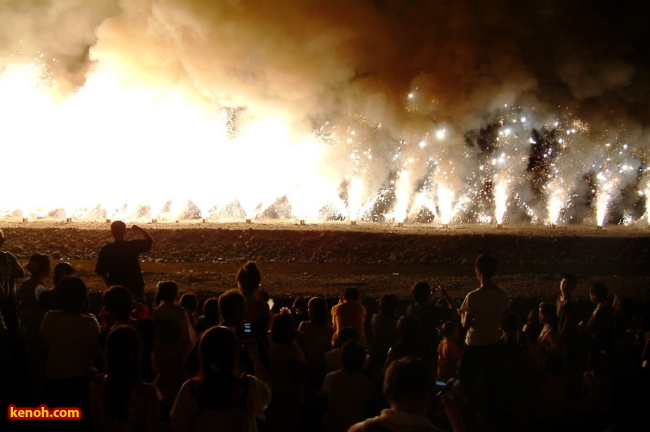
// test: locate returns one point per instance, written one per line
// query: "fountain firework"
(387, 110)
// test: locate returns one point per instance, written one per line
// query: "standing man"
(118, 263)
(481, 315)
(9, 271)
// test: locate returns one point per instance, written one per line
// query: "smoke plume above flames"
(389, 110)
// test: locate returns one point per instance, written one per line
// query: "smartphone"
(248, 331)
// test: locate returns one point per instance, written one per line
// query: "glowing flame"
(603, 198)
(501, 194)
(403, 195)
(445, 204)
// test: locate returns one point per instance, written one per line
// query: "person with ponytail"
(221, 397)
(119, 399)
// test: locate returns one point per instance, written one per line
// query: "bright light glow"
(501, 194)
(446, 199)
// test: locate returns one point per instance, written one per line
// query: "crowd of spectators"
(233, 362)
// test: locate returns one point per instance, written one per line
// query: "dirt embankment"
(297, 259)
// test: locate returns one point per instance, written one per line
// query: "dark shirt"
(119, 263)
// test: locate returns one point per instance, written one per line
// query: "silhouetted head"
(218, 350)
(421, 292)
(345, 334)
(317, 309)
(61, 270)
(232, 305)
(283, 329)
(249, 278)
(388, 304)
(450, 329)
(568, 283)
(118, 230)
(118, 302)
(189, 302)
(39, 265)
(408, 379)
(353, 356)
(167, 292)
(351, 294)
(598, 291)
(408, 328)
(72, 294)
(486, 265)
(547, 313)
(211, 308)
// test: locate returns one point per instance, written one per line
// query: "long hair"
(214, 385)
(249, 277)
(317, 309)
(123, 347)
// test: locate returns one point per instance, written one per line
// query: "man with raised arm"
(118, 262)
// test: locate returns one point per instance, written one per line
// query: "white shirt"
(486, 306)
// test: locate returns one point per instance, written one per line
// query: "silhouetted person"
(10, 269)
(408, 387)
(249, 280)
(600, 326)
(119, 399)
(48, 301)
(118, 262)
(223, 397)
(349, 312)
(210, 317)
(72, 340)
(481, 314)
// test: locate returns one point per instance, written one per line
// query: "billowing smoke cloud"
(409, 92)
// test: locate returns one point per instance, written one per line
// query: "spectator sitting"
(316, 333)
(348, 391)
(384, 328)
(410, 343)
(449, 351)
(349, 312)
(408, 387)
(333, 356)
(299, 310)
